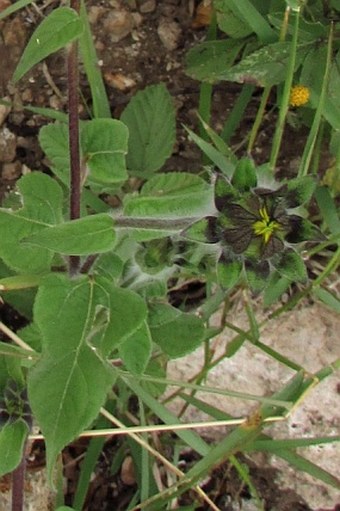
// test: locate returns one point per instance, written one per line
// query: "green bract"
(258, 228)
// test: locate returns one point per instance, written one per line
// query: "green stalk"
(234, 118)
(258, 119)
(285, 95)
(204, 105)
(313, 133)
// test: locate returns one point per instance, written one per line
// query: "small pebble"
(8, 145)
(118, 25)
(148, 6)
(169, 33)
(4, 111)
(11, 171)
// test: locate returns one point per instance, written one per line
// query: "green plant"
(93, 281)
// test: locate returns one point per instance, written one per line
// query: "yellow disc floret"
(299, 95)
(265, 227)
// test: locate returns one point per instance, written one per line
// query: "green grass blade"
(14, 8)
(254, 19)
(87, 467)
(223, 163)
(237, 112)
(101, 106)
(271, 445)
(190, 437)
(328, 209)
(304, 465)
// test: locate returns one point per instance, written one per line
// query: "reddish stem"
(18, 484)
(73, 102)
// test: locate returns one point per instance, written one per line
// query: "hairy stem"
(18, 481)
(73, 100)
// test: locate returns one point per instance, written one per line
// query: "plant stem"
(313, 132)
(73, 100)
(277, 139)
(18, 481)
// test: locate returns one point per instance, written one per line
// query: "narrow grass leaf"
(252, 17)
(11, 9)
(328, 209)
(190, 437)
(101, 106)
(221, 161)
(328, 298)
(302, 464)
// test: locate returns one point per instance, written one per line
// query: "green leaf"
(208, 60)
(81, 321)
(53, 139)
(228, 272)
(88, 235)
(291, 266)
(244, 177)
(172, 195)
(135, 351)
(150, 118)
(12, 442)
(42, 201)
(229, 21)
(265, 67)
(60, 27)
(177, 333)
(277, 285)
(237, 17)
(104, 145)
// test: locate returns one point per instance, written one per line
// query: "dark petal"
(301, 229)
(278, 211)
(238, 215)
(266, 192)
(257, 274)
(272, 247)
(204, 230)
(238, 238)
(224, 192)
(299, 191)
(228, 271)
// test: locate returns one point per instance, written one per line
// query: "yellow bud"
(299, 95)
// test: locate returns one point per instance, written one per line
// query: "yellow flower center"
(299, 95)
(265, 227)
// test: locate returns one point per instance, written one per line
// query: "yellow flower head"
(299, 95)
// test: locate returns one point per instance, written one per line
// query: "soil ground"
(141, 42)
